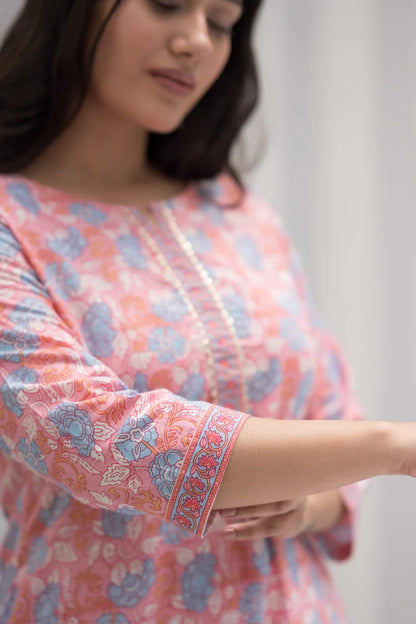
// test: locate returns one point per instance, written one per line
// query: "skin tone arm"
(283, 460)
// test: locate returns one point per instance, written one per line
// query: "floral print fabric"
(111, 447)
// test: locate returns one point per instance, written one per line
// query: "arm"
(280, 460)
(67, 417)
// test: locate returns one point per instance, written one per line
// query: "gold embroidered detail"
(208, 282)
(171, 275)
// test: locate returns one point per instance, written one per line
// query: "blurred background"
(337, 127)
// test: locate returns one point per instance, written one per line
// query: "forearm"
(280, 460)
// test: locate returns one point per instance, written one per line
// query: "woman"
(159, 358)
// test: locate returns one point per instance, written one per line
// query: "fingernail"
(228, 513)
(229, 532)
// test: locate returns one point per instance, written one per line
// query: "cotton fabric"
(111, 449)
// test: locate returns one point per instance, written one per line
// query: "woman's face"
(156, 59)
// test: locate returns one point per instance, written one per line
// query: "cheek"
(217, 63)
(128, 40)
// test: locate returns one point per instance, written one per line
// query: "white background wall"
(339, 91)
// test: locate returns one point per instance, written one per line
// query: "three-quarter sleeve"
(332, 398)
(69, 418)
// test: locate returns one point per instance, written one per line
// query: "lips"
(182, 78)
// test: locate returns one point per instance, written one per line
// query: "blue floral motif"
(248, 250)
(164, 471)
(46, 605)
(108, 618)
(90, 360)
(252, 604)
(290, 550)
(293, 334)
(263, 558)
(7, 576)
(37, 554)
(317, 583)
(114, 523)
(140, 383)
(27, 310)
(172, 309)
(237, 308)
(303, 392)
(334, 372)
(214, 213)
(210, 188)
(200, 242)
(133, 588)
(135, 437)
(16, 341)
(335, 375)
(8, 606)
(71, 246)
(62, 278)
(7, 593)
(193, 388)
(75, 423)
(196, 582)
(88, 213)
(31, 280)
(131, 251)
(21, 194)
(12, 535)
(9, 247)
(49, 515)
(32, 455)
(4, 447)
(97, 330)
(14, 383)
(167, 343)
(130, 511)
(127, 393)
(262, 383)
(314, 617)
(172, 534)
(19, 502)
(289, 302)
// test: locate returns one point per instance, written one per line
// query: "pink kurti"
(133, 346)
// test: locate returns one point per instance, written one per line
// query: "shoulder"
(247, 199)
(224, 190)
(15, 195)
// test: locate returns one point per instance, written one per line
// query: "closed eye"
(171, 7)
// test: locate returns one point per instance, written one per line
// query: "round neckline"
(189, 189)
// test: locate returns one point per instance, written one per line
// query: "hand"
(285, 519)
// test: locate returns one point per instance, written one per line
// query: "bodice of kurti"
(132, 351)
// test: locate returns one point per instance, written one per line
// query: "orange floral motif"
(131, 351)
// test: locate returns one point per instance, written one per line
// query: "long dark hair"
(44, 79)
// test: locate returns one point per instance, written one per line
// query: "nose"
(192, 37)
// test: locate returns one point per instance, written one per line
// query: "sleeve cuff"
(203, 469)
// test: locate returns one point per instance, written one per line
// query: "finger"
(262, 511)
(282, 526)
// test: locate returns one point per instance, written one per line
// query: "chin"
(164, 126)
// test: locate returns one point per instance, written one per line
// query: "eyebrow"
(238, 2)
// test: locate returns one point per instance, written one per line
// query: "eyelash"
(170, 8)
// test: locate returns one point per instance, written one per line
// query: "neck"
(97, 150)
